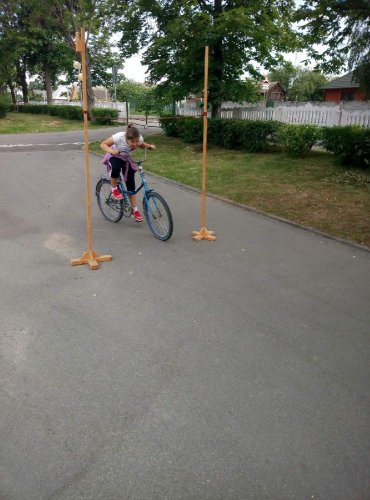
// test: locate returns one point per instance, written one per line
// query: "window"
(348, 96)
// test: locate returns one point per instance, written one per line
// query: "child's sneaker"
(116, 193)
(137, 216)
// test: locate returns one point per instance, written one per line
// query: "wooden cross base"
(203, 234)
(91, 258)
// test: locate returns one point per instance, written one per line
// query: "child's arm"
(146, 145)
(106, 146)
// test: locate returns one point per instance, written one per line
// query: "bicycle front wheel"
(158, 216)
(111, 208)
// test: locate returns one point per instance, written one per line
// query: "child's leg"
(130, 183)
(116, 164)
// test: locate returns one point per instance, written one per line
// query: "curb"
(310, 229)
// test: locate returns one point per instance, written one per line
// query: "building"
(345, 88)
(272, 91)
(101, 94)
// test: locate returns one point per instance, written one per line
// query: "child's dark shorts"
(117, 165)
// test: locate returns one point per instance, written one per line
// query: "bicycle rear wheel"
(111, 208)
(158, 216)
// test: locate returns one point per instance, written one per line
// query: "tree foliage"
(284, 74)
(301, 84)
(306, 86)
(39, 39)
(342, 27)
(175, 32)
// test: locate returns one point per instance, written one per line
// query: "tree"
(174, 34)
(39, 39)
(13, 44)
(128, 90)
(306, 86)
(31, 44)
(102, 58)
(284, 74)
(95, 17)
(49, 56)
(343, 28)
(301, 84)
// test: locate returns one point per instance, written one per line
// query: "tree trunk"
(90, 94)
(217, 63)
(21, 74)
(12, 92)
(215, 110)
(48, 86)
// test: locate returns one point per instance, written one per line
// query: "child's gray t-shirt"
(120, 142)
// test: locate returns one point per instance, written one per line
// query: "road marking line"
(27, 145)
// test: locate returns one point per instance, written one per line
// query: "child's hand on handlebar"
(151, 146)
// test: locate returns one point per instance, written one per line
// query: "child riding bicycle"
(118, 150)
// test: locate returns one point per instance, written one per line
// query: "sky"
(134, 70)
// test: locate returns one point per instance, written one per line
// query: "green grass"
(313, 191)
(21, 123)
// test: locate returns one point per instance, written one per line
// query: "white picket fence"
(320, 115)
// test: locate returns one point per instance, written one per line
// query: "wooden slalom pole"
(204, 234)
(89, 257)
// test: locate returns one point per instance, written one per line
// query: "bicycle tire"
(111, 208)
(158, 216)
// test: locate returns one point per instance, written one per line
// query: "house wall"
(332, 95)
(276, 93)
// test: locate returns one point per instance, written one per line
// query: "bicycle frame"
(143, 184)
(156, 211)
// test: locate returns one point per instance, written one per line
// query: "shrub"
(5, 104)
(226, 133)
(256, 135)
(189, 129)
(297, 140)
(68, 112)
(36, 109)
(104, 116)
(169, 125)
(231, 134)
(351, 145)
(3, 110)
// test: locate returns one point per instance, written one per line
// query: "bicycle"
(156, 211)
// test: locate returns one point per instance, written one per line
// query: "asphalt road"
(235, 369)
(60, 141)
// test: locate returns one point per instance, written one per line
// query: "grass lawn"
(313, 191)
(21, 123)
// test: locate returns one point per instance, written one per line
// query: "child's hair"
(132, 132)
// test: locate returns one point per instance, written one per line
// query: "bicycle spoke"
(158, 216)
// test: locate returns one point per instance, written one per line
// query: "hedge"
(3, 110)
(5, 104)
(104, 116)
(351, 144)
(100, 115)
(298, 140)
(69, 112)
(231, 134)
